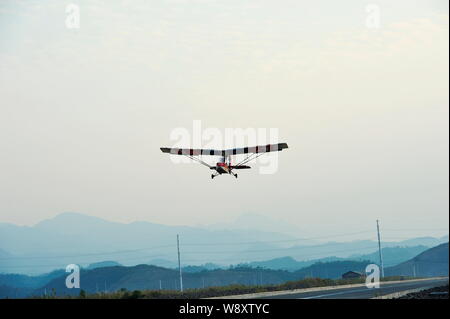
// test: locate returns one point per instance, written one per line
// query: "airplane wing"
(257, 149)
(192, 151)
(233, 151)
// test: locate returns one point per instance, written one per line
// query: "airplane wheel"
(212, 176)
(235, 175)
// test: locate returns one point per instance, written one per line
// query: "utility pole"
(379, 250)
(179, 263)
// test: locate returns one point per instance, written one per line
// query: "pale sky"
(84, 111)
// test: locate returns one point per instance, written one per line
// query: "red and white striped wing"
(257, 149)
(233, 151)
(192, 151)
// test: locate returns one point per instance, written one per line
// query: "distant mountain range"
(76, 238)
(103, 264)
(143, 277)
(392, 255)
(252, 221)
(432, 262)
(19, 286)
(73, 238)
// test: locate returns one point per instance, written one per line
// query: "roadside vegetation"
(218, 291)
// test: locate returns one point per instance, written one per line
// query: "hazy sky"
(84, 111)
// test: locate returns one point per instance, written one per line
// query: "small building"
(352, 274)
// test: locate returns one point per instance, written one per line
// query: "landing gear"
(214, 175)
(235, 175)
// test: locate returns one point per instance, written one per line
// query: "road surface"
(362, 292)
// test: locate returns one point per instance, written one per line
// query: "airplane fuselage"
(225, 167)
(222, 168)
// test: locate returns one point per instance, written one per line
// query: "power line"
(198, 252)
(303, 255)
(263, 250)
(416, 229)
(276, 241)
(192, 244)
(63, 265)
(209, 244)
(189, 260)
(90, 254)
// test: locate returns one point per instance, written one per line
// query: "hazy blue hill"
(392, 255)
(342, 250)
(163, 263)
(149, 277)
(283, 263)
(73, 238)
(188, 268)
(85, 239)
(424, 241)
(204, 267)
(259, 222)
(432, 262)
(102, 264)
(113, 278)
(24, 281)
(287, 263)
(311, 252)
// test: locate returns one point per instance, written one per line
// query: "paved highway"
(362, 292)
